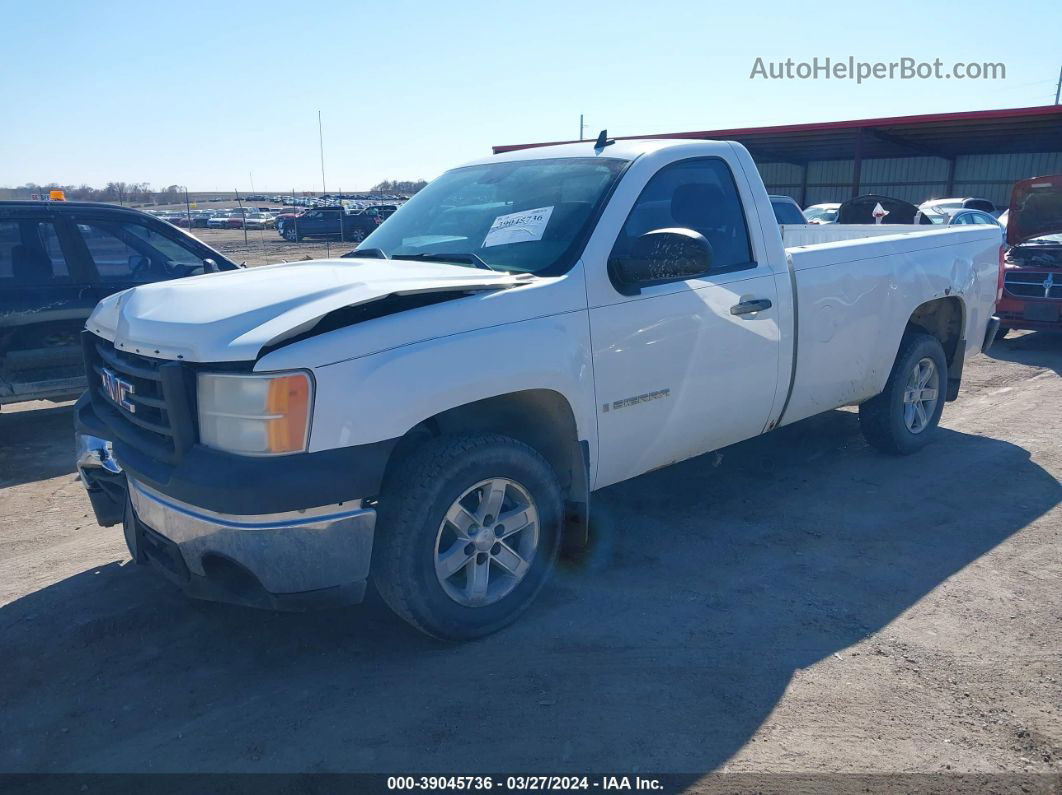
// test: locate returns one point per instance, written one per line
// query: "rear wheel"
(468, 532)
(904, 416)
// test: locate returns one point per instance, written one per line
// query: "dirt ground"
(799, 603)
(265, 246)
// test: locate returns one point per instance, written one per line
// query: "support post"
(857, 162)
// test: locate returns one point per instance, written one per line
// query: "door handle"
(748, 307)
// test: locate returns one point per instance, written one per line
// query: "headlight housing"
(256, 414)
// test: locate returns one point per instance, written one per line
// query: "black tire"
(882, 418)
(415, 498)
(291, 235)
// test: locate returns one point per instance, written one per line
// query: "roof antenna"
(603, 140)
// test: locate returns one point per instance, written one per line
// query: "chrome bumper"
(286, 555)
(102, 477)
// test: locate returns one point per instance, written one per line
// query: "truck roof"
(622, 150)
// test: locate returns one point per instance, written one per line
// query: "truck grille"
(1033, 285)
(145, 401)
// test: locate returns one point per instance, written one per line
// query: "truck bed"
(855, 291)
(813, 234)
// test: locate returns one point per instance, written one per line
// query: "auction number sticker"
(521, 227)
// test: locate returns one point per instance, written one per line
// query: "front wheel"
(469, 528)
(290, 235)
(904, 416)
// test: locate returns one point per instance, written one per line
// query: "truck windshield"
(528, 216)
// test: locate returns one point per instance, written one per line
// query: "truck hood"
(1035, 209)
(232, 316)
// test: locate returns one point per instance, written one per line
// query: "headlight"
(255, 414)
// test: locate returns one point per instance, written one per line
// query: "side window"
(129, 252)
(698, 195)
(30, 253)
(785, 212)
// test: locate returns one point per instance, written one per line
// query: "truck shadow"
(36, 444)
(665, 647)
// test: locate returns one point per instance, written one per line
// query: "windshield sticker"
(522, 227)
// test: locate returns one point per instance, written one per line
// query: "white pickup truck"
(434, 409)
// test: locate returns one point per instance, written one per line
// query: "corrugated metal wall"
(915, 179)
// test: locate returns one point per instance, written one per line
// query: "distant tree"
(399, 186)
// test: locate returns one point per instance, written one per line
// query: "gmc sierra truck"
(435, 411)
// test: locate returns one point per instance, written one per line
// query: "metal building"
(977, 153)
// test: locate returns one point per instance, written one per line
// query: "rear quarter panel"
(855, 298)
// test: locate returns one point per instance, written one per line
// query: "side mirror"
(662, 255)
(209, 266)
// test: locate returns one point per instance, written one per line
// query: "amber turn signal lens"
(289, 403)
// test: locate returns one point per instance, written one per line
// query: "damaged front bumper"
(290, 560)
(287, 561)
(103, 477)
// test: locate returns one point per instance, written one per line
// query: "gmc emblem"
(118, 389)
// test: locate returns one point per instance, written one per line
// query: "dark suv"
(57, 260)
(334, 222)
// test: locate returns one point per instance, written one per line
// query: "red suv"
(1031, 296)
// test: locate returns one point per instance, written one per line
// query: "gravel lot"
(265, 246)
(797, 603)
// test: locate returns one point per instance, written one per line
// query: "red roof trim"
(928, 118)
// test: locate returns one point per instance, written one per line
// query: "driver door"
(685, 366)
(126, 254)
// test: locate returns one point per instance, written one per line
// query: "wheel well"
(540, 418)
(945, 319)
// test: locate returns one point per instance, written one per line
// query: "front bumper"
(287, 561)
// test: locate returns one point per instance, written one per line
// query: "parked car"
(328, 222)
(200, 218)
(218, 221)
(57, 259)
(1031, 289)
(786, 210)
(527, 329)
(259, 221)
(969, 203)
(961, 217)
(822, 213)
(871, 208)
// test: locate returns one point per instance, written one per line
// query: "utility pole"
(1058, 88)
(581, 125)
(320, 141)
(324, 190)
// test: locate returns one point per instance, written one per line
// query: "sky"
(213, 95)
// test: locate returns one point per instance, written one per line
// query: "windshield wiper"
(466, 257)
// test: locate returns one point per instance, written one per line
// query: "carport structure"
(973, 153)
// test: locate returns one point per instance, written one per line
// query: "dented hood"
(232, 316)
(1035, 209)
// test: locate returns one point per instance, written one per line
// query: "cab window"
(693, 194)
(130, 252)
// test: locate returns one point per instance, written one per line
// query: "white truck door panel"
(678, 375)
(676, 372)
